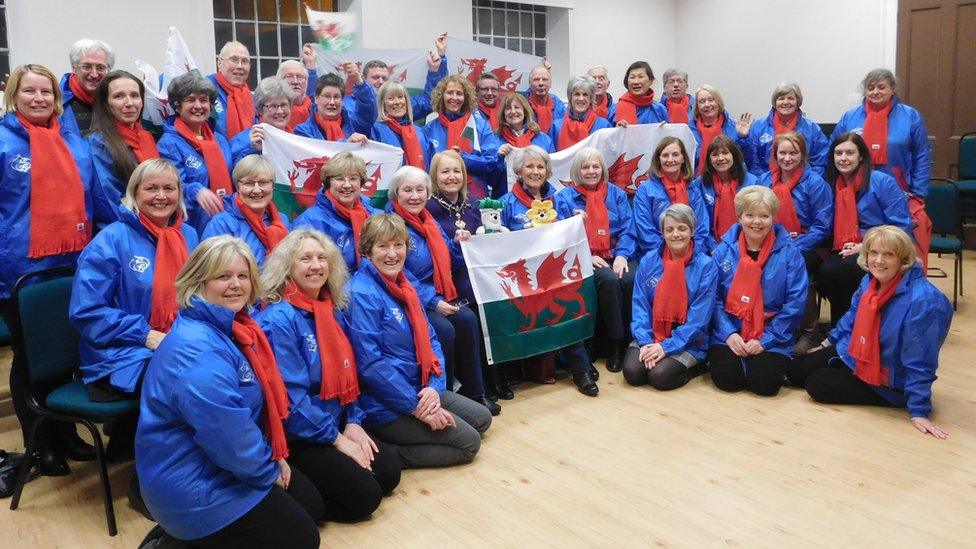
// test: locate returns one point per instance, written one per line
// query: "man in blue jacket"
(90, 62)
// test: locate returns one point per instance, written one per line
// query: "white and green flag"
(177, 61)
(534, 288)
(334, 31)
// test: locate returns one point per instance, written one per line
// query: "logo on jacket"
(311, 343)
(726, 265)
(193, 162)
(139, 264)
(397, 314)
(20, 164)
(652, 282)
(709, 198)
(858, 131)
(218, 107)
(765, 138)
(434, 143)
(245, 373)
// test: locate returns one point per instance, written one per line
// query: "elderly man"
(295, 75)
(546, 106)
(676, 99)
(90, 62)
(234, 107)
(603, 99)
(486, 89)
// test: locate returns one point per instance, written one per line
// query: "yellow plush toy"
(541, 213)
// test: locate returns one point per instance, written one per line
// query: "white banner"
(408, 67)
(472, 59)
(177, 62)
(627, 152)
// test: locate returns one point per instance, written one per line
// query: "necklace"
(456, 210)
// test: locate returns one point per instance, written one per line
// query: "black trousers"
(762, 374)
(614, 296)
(282, 519)
(830, 381)
(837, 280)
(350, 493)
(668, 374)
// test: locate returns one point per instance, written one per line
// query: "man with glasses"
(234, 109)
(90, 62)
(296, 76)
(486, 89)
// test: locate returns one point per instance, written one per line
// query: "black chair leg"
(25, 467)
(103, 471)
(960, 272)
(955, 281)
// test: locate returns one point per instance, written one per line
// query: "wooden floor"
(635, 468)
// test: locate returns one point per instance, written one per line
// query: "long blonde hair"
(277, 266)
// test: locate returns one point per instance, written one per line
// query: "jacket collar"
(218, 316)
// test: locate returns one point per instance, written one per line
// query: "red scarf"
(523, 196)
(269, 235)
(455, 132)
(300, 113)
(404, 293)
(670, 305)
(240, 105)
(627, 106)
(339, 379)
(59, 222)
(864, 346)
(213, 157)
(875, 131)
(440, 256)
(491, 113)
(139, 140)
(678, 112)
(356, 216)
(543, 111)
(677, 190)
(518, 141)
(574, 131)
(331, 129)
(171, 254)
(784, 192)
(597, 222)
(846, 223)
(724, 205)
(413, 155)
(745, 297)
(788, 126)
(708, 133)
(79, 91)
(602, 108)
(253, 344)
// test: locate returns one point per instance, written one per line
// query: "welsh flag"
(534, 288)
(177, 61)
(472, 59)
(335, 31)
(409, 67)
(627, 152)
(298, 165)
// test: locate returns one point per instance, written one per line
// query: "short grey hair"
(185, 84)
(251, 165)
(784, 89)
(674, 72)
(86, 46)
(878, 75)
(756, 195)
(682, 213)
(584, 155)
(269, 88)
(585, 81)
(405, 174)
(289, 63)
(535, 151)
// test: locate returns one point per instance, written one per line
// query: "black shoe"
(586, 384)
(76, 449)
(595, 373)
(615, 361)
(51, 463)
(502, 388)
(494, 408)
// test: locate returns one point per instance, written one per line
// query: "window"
(4, 46)
(273, 31)
(510, 25)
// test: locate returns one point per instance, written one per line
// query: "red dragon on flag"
(553, 287)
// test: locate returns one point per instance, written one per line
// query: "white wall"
(389, 24)
(42, 31)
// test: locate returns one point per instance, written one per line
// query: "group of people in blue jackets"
(289, 364)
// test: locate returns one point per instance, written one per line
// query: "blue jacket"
(498, 180)
(558, 107)
(111, 300)
(701, 278)
(389, 375)
(15, 189)
(784, 284)
(231, 221)
(220, 109)
(761, 137)
(68, 102)
(381, 132)
(909, 151)
(814, 203)
(107, 188)
(322, 216)
(240, 146)
(665, 100)
(557, 127)
(420, 103)
(360, 120)
(650, 202)
(481, 164)
(708, 193)
(420, 263)
(914, 325)
(728, 129)
(513, 211)
(201, 455)
(651, 114)
(291, 332)
(622, 241)
(193, 171)
(882, 203)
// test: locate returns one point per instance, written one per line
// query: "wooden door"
(936, 62)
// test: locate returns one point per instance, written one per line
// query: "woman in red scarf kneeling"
(885, 350)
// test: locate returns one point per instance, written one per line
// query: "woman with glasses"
(329, 119)
(273, 103)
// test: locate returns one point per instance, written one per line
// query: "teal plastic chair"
(966, 182)
(942, 206)
(49, 344)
